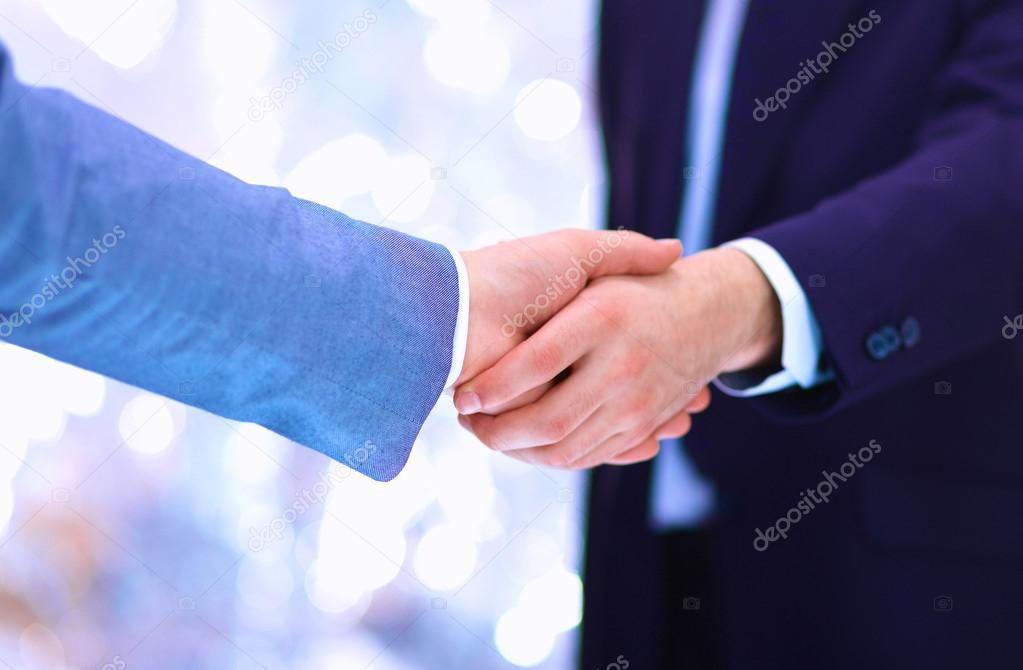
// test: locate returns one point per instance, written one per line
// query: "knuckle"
(491, 438)
(631, 366)
(556, 429)
(604, 305)
(637, 409)
(547, 358)
(562, 458)
(586, 400)
(580, 237)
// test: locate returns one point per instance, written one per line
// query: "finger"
(700, 402)
(617, 252)
(595, 431)
(550, 419)
(526, 398)
(677, 426)
(643, 452)
(543, 356)
(616, 447)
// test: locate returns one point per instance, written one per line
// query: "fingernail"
(468, 403)
(668, 242)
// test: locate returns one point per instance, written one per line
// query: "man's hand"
(640, 349)
(516, 286)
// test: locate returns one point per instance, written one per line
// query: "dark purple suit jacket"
(893, 186)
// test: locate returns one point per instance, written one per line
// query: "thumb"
(632, 253)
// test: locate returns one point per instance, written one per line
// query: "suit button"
(877, 347)
(910, 332)
(883, 342)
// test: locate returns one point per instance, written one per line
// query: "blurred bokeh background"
(138, 532)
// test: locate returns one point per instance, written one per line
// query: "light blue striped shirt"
(681, 498)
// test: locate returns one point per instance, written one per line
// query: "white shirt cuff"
(801, 334)
(461, 322)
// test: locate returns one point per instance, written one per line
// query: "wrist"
(479, 329)
(753, 311)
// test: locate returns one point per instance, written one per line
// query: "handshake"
(588, 347)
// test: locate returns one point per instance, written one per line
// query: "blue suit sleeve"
(127, 257)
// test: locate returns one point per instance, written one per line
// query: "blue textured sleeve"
(127, 257)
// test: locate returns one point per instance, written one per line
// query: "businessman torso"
(863, 579)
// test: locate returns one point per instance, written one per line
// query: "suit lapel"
(778, 38)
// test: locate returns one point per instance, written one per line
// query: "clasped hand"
(588, 347)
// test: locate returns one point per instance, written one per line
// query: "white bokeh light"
(146, 424)
(248, 149)
(555, 599)
(462, 14)
(6, 505)
(121, 32)
(534, 553)
(512, 212)
(547, 109)
(362, 559)
(31, 402)
(446, 557)
(404, 188)
(521, 639)
(332, 592)
(338, 170)
(254, 454)
(465, 484)
(264, 585)
(11, 458)
(237, 47)
(472, 60)
(80, 392)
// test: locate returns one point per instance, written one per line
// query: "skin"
(507, 277)
(626, 362)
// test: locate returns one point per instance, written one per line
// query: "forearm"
(904, 247)
(147, 265)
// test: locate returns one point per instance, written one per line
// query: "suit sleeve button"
(910, 332)
(877, 347)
